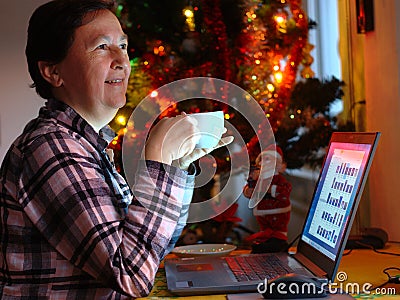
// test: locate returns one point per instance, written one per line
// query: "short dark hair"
(51, 32)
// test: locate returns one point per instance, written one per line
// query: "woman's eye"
(102, 46)
(124, 46)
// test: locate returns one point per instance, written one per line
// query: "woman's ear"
(50, 73)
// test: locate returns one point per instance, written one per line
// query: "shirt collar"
(66, 115)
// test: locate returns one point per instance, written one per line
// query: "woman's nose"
(120, 59)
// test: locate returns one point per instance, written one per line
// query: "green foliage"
(306, 129)
(152, 20)
(218, 48)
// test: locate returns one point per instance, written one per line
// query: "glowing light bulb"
(258, 54)
(278, 77)
(188, 13)
(279, 19)
(281, 23)
(270, 87)
(121, 120)
(154, 94)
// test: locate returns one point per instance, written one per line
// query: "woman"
(70, 225)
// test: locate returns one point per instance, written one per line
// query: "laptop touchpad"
(184, 284)
(194, 267)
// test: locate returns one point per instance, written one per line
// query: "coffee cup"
(211, 127)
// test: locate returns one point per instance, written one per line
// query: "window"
(325, 38)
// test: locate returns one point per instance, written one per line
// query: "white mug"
(211, 127)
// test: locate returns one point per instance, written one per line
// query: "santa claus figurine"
(273, 210)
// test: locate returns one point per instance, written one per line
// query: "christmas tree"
(261, 46)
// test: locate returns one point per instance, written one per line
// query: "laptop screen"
(336, 197)
(335, 194)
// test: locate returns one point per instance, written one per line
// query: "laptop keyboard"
(256, 267)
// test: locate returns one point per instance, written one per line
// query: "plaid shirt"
(70, 226)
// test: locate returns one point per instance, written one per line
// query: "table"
(359, 266)
(366, 266)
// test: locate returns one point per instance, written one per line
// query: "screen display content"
(335, 195)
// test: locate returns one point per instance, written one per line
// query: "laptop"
(321, 243)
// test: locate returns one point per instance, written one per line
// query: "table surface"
(359, 266)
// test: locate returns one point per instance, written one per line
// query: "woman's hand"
(172, 139)
(185, 161)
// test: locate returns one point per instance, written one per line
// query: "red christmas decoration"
(273, 210)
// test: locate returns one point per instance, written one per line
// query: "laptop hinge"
(317, 271)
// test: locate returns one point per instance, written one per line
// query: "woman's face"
(95, 72)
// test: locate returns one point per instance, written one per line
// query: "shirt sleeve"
(187, 198)
(70, 199)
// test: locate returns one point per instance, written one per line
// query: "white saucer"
(203, 249)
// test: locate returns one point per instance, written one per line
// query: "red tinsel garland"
(263, 38)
